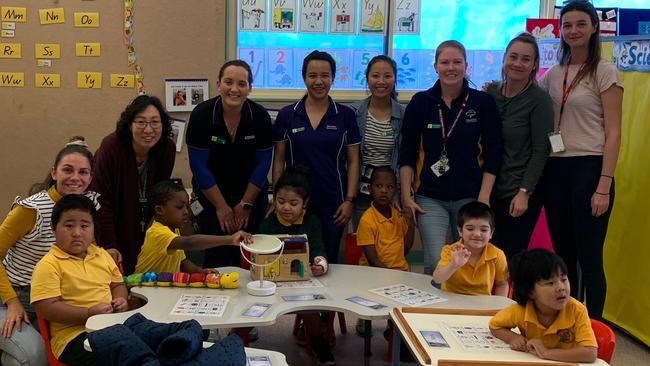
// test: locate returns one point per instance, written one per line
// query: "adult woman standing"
(128, 163)
(313, 132)
(25, 236)
(459, 132)
(527, 114)
(230, 150)
(579, 175)
(379, 118)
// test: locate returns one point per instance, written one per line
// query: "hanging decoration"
(130, 48)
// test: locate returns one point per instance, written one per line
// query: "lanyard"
(566, 91)
(445, 136)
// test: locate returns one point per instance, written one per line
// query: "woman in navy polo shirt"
(458, 130)
(230, 150)
(323, 135)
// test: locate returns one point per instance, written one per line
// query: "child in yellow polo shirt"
(473, 266)
(552, 324)
(75, 280)
(164, 248)
(385, 233)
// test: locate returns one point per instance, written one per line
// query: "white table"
(277, 358)
(455, 351)
(340, 283)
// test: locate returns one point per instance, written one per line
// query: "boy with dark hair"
(75, 280)
(473, 266)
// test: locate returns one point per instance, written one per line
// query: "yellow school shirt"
(154, 255)
(478, 279)
(78, 282)
(571, 328)
(387, 235)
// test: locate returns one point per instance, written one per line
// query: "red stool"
(44, 329)
(606, 340)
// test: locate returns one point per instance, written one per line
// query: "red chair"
(606, 340)
(44, 329)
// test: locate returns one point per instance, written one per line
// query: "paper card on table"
(434, 338)
(9, 25)
(86, 20)
(256, 310)
(476, 337)
(84, 49)
(44, 63)
(12, 79)
(89, 80)
(10, 50)
(122, 81)
(262, 360)
(47, 50)
(47, 80)
(201, 305)
(13, 14)
(365, 302)
(51, 16)
(305, 297)
(7, 33)
(312, 282)
(408, 295)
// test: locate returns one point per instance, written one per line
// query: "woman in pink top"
(579, 175)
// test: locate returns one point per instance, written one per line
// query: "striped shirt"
(378, 142)
(21, 258)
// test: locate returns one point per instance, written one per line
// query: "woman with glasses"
(128, 163)
(230, 149)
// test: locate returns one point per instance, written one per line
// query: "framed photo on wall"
(182, 95)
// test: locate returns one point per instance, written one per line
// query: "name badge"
(219, 140)
(557, 144)
(433, 125)
(249, 137)
(296, 130)
(389, 133)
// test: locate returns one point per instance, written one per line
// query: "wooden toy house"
(293, 264)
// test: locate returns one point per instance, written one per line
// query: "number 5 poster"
(280, 68)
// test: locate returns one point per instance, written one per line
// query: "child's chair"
(606, 340)
(44, 329)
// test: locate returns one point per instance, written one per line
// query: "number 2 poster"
(280, 68)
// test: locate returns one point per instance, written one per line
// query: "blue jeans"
(433, 225)
(24, 347)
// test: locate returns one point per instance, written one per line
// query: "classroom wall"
(171, 38)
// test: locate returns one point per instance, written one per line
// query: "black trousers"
(578, 237)
(75, 354)
(208, 223)
(512, 234)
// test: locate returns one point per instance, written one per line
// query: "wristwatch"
(246, 205)
(522, 189)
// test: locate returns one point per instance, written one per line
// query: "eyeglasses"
(141, 124)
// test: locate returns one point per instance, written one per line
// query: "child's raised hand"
(536, 347)
(119, 305)
(100, 308)
(459, 255)
(519, 343)
(242, 236)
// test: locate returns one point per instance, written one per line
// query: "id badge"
(557, 145)
(440, 168)
(196, 207)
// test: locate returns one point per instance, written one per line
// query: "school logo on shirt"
(331, 127)
(565, 336)
(470, 113)
(249, 137)
(296, 130)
